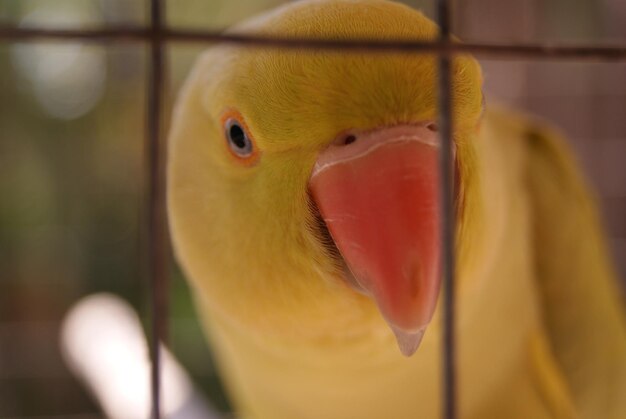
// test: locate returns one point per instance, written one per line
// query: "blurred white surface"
(103, 343)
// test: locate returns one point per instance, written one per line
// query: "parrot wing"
(581, 304)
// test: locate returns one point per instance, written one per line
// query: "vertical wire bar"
(157, 263)
(448, 217)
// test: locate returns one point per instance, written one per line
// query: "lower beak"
(378, 194)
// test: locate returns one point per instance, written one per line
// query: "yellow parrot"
(303, 204)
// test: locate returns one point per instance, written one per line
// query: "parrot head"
(303, 185)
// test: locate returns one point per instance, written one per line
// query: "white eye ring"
(238, 140)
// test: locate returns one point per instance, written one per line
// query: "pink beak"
(378, 195)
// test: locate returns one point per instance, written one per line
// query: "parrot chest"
(371, 379)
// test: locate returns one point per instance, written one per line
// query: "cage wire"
(155, 237)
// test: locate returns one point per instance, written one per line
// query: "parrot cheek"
(377, 192)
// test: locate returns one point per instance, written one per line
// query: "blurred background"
(71, 138)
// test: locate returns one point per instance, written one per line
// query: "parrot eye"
(238, 139)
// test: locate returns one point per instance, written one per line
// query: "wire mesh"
(447, 220)
(157, 253)
(602, 53)
(157, 34)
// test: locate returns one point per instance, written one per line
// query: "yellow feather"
(292, 339)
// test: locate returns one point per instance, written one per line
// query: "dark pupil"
(237, 136)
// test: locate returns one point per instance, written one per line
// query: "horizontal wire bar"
(104, 35)
(134, 34)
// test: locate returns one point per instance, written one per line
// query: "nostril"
(349, 139)
(432, 127)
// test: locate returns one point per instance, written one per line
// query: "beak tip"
(408, 342)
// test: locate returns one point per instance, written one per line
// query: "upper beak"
(378, 194)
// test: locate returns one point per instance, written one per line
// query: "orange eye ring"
(239, 141)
